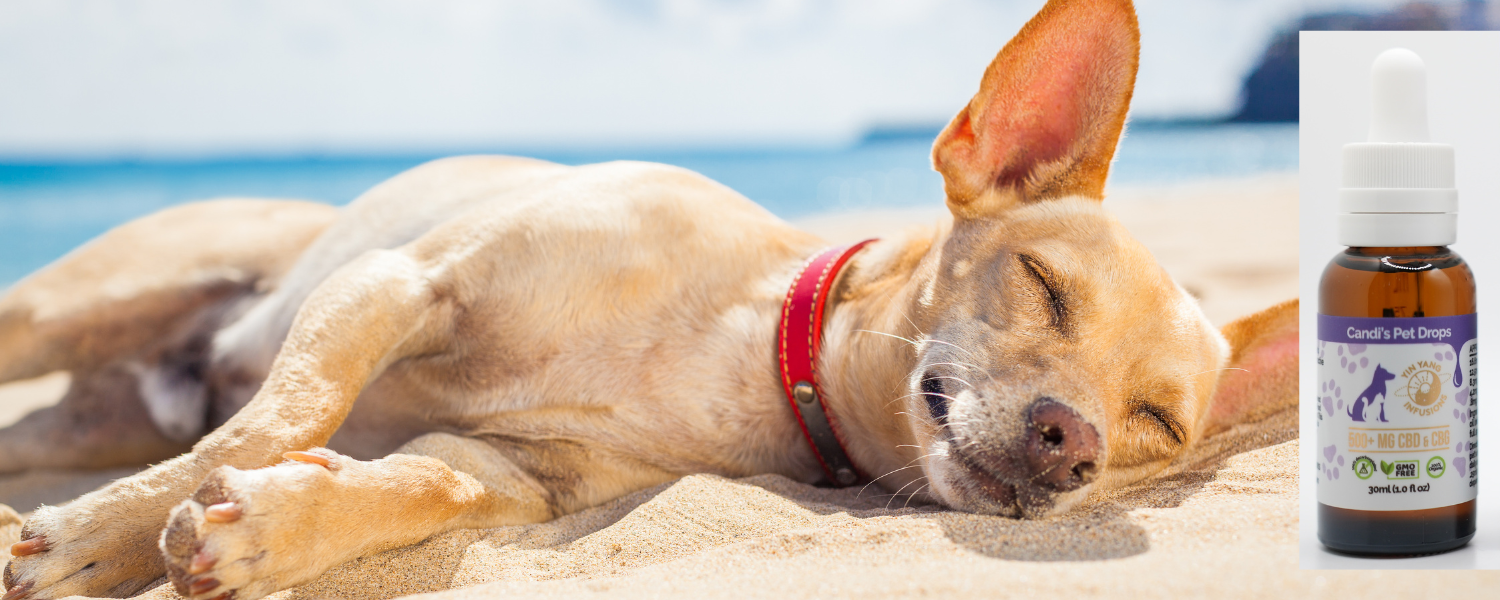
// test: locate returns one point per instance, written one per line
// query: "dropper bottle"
(1397, 351)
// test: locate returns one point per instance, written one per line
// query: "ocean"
(47, 209)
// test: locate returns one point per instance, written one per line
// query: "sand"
(1221, 522)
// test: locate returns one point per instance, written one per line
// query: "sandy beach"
(1221, 522)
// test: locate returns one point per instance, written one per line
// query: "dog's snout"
(1062, 447)
(937, 401)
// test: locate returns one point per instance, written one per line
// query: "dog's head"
(1058, 357)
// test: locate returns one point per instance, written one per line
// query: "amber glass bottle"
(1399, 284)
(1398, 353)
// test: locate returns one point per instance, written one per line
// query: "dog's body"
(525, 339)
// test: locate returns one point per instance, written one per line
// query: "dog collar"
(798, 338)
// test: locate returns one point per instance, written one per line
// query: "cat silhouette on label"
(1366, 398)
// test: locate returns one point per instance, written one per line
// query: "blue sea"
(46, 209)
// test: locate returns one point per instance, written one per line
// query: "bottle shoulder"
(1399, 260)
(1397, 282)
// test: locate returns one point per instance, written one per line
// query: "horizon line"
(875, 134)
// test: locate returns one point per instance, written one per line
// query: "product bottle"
(1397, 357)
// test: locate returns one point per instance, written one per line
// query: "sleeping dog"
(487, 341)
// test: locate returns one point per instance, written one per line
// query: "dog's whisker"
(960, 348)
(926, 338)
(952, 364)
(911, 375)
(926, 418)
(1223, 369)
(898, 399)
(889, 335)
(908, 466)
(891, 472)
(913, 324)
(914, 495)
(898, 492)
(955, 378)
(940, 395)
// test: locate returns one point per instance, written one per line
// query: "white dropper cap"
(1398, 186)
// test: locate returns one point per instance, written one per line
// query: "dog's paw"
(86, 548)
(247, 534)
(10, 533)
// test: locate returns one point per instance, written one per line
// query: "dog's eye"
(1162, 419)
(1054, 300)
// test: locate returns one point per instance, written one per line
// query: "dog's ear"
(1049, 111)
(1262, 375)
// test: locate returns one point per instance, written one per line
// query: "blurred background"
(111, 109)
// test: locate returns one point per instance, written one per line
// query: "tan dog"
(531, 339)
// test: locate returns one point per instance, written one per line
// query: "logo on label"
(1363, 467)
(1365, 407)
(1423, 388)
(1436, 467)
(1401, 469)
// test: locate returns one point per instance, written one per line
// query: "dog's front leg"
(253, 533)
(370, 313)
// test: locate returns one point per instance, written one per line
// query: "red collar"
(798, 339)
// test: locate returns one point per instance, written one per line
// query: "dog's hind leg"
(376, 310)
(136, 308)
(100, 422)
(144, 281)
(385, 217)
(253, 533)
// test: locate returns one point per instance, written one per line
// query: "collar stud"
(804, 393)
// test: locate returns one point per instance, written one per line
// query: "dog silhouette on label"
(1367, 398)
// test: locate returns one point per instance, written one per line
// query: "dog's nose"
(1062, 448)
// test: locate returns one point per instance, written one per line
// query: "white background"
(1463, 80)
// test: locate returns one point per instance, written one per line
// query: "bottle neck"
(1399, 250)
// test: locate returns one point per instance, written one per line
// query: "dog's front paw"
(86, 548)
(247, 534)
(10, 532)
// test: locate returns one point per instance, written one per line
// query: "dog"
(489, 341)
(1378, 380)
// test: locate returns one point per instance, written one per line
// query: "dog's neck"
(865, 365)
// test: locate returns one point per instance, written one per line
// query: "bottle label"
(1397, 398)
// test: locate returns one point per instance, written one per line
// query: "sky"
(149, 78)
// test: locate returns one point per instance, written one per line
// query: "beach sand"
(1221, 522)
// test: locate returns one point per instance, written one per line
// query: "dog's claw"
(202, 562)
(29, 547)
(223, 512)
(306, 457)
(18, 592)
(203, 586)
